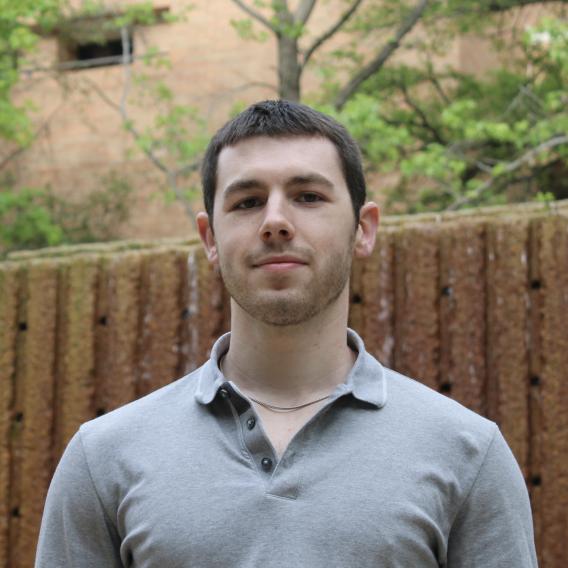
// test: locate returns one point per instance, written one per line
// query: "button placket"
(257, 443)
(254, 442)
(279, 478)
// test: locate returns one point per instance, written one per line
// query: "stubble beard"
(279, 306)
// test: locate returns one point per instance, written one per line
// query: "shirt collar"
(366, 381)
(210, 377)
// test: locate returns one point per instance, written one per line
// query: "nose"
(276, 224)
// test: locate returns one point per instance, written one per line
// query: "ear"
(367, 230)
(207, 237)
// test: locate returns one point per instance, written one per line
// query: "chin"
(283, 320)
(283, 311)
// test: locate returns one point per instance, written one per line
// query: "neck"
(287, 365)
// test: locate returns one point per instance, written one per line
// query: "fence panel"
(214, 309)
(160, 304)
(33, 408)
(377, 290)
(116, 336)
(417, 328)
(550, 443)
(356, 295)
(462, 314)
(189, 335)
(9, 284)
(75, 348)
(507, 325)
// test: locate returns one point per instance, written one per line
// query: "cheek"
(334, 232)
(236, 236)
(230, 247)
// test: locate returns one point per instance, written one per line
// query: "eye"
(310, 197)
(247, 203)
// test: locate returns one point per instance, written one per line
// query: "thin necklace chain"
(273, 407)
(287, 408)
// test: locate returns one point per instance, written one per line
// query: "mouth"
(280, 264)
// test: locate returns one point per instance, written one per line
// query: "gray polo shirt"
(388, 473)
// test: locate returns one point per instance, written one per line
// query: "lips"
(280, 264)
(280, 260)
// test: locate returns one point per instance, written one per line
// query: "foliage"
(18, 38)
(174, 134)
(177, 132)
(448, 139)
(463, 139)
(93, 21)
(247, 31)
(36, 217)
(467, 139)
(98, 215)
(26, 221)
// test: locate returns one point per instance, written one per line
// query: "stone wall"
(473, 304)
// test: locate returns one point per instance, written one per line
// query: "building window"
(88, 42)
(103, 53)
(76, 52)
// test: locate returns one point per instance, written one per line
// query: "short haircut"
(283, 119)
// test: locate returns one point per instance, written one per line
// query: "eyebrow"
(252, 183)
(311, 179)
(242, 185)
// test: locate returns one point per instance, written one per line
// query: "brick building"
(79, 88)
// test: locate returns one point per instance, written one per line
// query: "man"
(291, 446)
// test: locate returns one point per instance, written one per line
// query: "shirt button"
(251, 423)
(266, 464)
(224, 393)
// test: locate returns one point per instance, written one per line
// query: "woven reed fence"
(474, 305)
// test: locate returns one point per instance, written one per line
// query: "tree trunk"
(288, 68)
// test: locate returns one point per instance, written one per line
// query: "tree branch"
(398, 123)
(188, 168)
(330, 32)
(126, 61)
(422, 115)
(20, 149)
(304, 11)
(438, 86)
(504, 5)
(511, 167)
(173, 183)
(127, 124)
(494, 7)
(256, 15)
(378, 62)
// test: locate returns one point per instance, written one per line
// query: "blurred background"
(106, 107)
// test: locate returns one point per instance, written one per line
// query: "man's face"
(280, 197)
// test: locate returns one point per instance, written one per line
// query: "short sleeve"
(493, 527)
(76, 532)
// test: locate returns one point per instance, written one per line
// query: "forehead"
(262, 156)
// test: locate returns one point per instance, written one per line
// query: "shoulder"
(432, 409)
(145, 417)
(435, 426)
